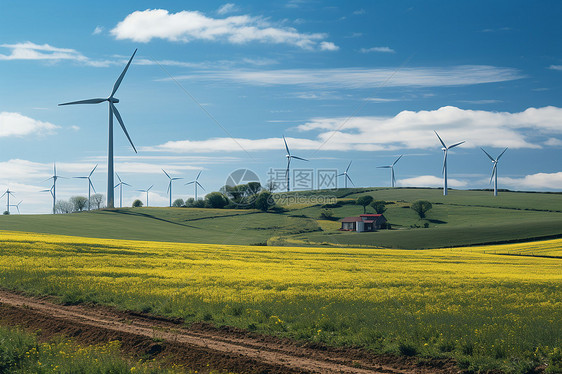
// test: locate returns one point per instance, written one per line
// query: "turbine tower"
(53, 189)
(170, 185)
(289, 157)
(148, 189)
(112, 112)
(494, 169)
(196, 183)
(90, 184)
(8, 193)
(17, 206)
(120, 185)
(391, 167)
(346, 175)
(445, 150)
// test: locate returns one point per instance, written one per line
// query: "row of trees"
(421, 207)
(79, 203)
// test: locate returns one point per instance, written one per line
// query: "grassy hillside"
(462, 218)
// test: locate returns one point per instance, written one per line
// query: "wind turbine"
(170, 185)
(120, 185)
(289, 157)
(90, 184)
(53, 189)
(112, 112)
(148, 189)
(494, 169)
(17, 206)
(7, 193)
(445, 150)
(346, 175)
(196, 183)
(391, 167)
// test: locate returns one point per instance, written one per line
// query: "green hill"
(462, 218)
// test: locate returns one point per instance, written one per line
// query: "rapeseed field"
(476, 304)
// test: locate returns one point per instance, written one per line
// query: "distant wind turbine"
(17, 206)
(148, 189)
(445, 150)
(120, 185)
(53, 189)
(90, 184)
(170, 185)
(112, 112)
(7, 194)
(196, 183)
(289, 157)
(494, 169)
(391, 167)
(346, 175)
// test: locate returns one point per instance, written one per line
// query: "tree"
(178, 203)
(327, 214)
(6, 213)
(264, 201)
(216, 200)
(421, 207)
(199, 204)
(63, 207)
(364, 201)
(78, 203)
(379, 206)
(96, 200)
(189, 202)
(137, 203)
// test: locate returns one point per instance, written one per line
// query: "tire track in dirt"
(223, 348)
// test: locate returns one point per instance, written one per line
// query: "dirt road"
(200, 345)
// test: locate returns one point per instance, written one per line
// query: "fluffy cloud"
(185, 26)
(406, 130)
(363, 78)
(227, 8)
(534, 181)
(328, 46)
(16, 124)
(555, 67)
(377, 49)
(430, 181)
(32, 51)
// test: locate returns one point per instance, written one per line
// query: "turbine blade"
(199, 184)
(169, 185)
(494, 171)
(2, 195)
(127, 184)
(487, 154)
(176, 178)
(299, 158)
(393, 179)
(91, 184)
(444, 163)
(286, 146)
(88, 101)
(48, 179)
(398, 159)
(166, 174)
(501, 154)
(118, 116)
(441, 140)
(80, 177)
(149, 188)
(384, 167)
(456, 144)
(339, 175)
(118, 177)
(189, 183)
(198, 175)
(348, 177)
(120, 79)
(348, 166)
(92, 172)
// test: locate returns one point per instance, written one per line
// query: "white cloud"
(484, 101)
(328, 46)
(553, 142)
(97, 30)
(46, 52)
(185, 26)
(364, 78)
(534, 181)
(359, 12)
(227, 8)
(16, 124)
(377, 49)
(406, 130)
(555, 67)
(430, 181)
(380, 100)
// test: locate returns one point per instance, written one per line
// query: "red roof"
(369, 221)
(352, 219)
(370, 215)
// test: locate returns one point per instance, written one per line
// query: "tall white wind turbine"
(196, 183)
(346, 175)
(148, 189)
(112, 112)
(494, 169)
(391, 167)
(170, 185)
(90, 184)
(445, 150)
(120, 185)
(7, 194)
(289, 157)
(53, 189)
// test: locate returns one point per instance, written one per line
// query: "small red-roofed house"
(365, 222)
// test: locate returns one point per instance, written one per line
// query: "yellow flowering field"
(486, 309)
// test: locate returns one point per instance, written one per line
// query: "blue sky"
(357, 80)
